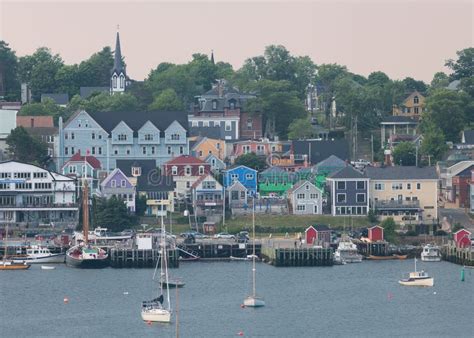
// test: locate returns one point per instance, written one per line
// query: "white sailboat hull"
(417, 282)
(156, 315)
(251, 301)
(53, 258)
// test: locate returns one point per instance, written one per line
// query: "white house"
(306, 199)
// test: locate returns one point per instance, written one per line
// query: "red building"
(186, 165)
(462, 238)
(461, 188)
(318, 234)
(376, 233)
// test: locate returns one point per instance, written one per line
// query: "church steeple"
(118, 80)
(212, 56)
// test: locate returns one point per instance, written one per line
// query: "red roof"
(34, 121)
(185, 159)
(77, 157)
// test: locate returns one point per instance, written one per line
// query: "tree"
(107, 102)
(95, 71)
(251, 160)
(67, 80)
(440, 80)
(300, 129)
(113, 214)
(411, 85)
(167, 100)
(47, 107)
(389, 226)
(8, 66)
(404, 154)
(140, 205)
(25, 148)
(463, 67)
(434, 143)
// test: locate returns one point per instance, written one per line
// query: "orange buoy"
(66, 300)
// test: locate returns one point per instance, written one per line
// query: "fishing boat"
(84, 255)
(384, 258)
(348, 251)
(431, 253)
(417, 278)
(38, 254)
(8, 264)
(253, 300)
(155, 310)
(338, 260)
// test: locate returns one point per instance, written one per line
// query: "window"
(218, 145)
(408, 186)
(188, 184)
(300, 196)
(122, 137)
(416, 100)
(418, 186)
(360, 198)
(315, 209)
(122, 183)
(175, 137)
(246, 149)
(5, 175)
(174, 170)
(72, 136)
(121, 82)
(228, 126)
(93, 150)
(232, 104)
(360, 185)
(100, 150)
(379, 186)
(181, 150)
(234, 177)
(128, 151)
(42, 186)
(136, 171)
(23, 186)
(153, 150)
(4, 186)
(113, 183)
(93, 136)
(341, 185)
(307, 187)
(397, 186)
(22, 175)
(210, 152)
(248, 176)
(115, 151)
(169, 150)
(148, 137)
(100, 137)
(187, 171)
(144, 150)
(249, 124)
(40, 175)
(208, 185)
(66, 151)
(313, 196)
(72, 169)
(341, 198)
(73, 151)
(201, 170)
(416, 110)
(301, 207)
(214, 104)
(66, 136)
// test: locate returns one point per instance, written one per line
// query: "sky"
(399, 37)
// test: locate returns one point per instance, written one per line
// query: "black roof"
(135, 120)
(321, 150)
(398, 119)
(348, 172)
(210, 132)
(468, 136)
(223, 98)
(150, 178)
(402, 173)
(86, 92)
(57, 98)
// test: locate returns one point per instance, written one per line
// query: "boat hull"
(98, 263)
(14, 266)
(384, 258)
(156, 315)
(417, 282)
(254, 302)
(431, 258)
(46, 267)
(54, 258)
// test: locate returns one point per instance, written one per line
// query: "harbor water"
(362, 300)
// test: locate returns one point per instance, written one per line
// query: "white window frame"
(341, 194)
(357, 198)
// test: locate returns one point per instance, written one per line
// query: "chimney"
(32, 122)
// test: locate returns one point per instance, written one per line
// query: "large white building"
(32, 196)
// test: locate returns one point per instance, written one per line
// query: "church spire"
(212, 56)
(118, 64)
(118, 79)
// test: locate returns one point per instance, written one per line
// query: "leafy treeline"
(279, 78)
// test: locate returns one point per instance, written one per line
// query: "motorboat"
(417, 278)
(338, 260)
(348, 251)
(431, 253)
(11, 265)
(38, 254)
(384, 258)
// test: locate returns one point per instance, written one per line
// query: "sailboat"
(155, 310)
(84, 255)
(253, 300)
(10, 264)
(417, 278)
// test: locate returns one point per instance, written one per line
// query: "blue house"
(245, 175)
(349, 192)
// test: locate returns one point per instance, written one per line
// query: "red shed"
(310, 235)
(460, 234)
(376, 233)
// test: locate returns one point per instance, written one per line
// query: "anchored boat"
(417, 278)
(38, 254)
(431, 253)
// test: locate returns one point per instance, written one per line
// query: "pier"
(453, 254)
(135, 258)
(218, 251)
(304, 256)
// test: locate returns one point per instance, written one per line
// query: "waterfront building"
(117, 184)
(318, 234)
(207, 196)
(32, 196)
(224, 107)
(185, 171)
(408, 194)
(41, 127)
(349, 190)
(305, 199)
(462, 238)
(412, 107)
(460, 188)
(150, 183)
(275, 181)
(262, 147)
(128, 135)
(375, 233)
(237, 195)
(245, 175)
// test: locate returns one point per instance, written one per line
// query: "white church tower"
(118, 79)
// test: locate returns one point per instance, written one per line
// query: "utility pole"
(416, 155)
(372, 146)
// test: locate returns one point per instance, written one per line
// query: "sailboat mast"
(6, 245)
(85, 212)
(253, 251)
(164, 261)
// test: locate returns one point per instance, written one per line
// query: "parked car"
(127, 232)
(360, 163)
(193, 233)
(224, 235)
(242, 237)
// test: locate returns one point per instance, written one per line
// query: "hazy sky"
(401, 38)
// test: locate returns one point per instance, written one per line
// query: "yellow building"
(413, 106)
(202, 147)
(408, 194)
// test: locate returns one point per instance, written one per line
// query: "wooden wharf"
(303, 256)
(137, 258)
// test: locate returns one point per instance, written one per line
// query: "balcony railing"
(397, 205)
(201, 203)
(40, 206)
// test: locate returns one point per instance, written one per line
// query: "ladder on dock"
(184, 250)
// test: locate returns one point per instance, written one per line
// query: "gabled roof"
(331, 161)
(54, 175)
(237, 185)
(240, 166)
(402, 173)
(211, 132)
(77, 157)
(186, 160)
(150, 178)
(398, 119)
(299, 184)
(211, 156)
(321, 149)
(61, 99)
(202, 178)
(136, 119)
(348, 172)
(468, 136)
(34, 121)
(112, 174)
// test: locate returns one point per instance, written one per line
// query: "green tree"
(9, 68)
(67, 80)
(167, 100)
(95, 71)
(47, 107)
(404, 154)
(140, 205)
(251, 160)
(113, 214)
(463, 67)
(389, 226)
(440, 80)
(107, 102)
(411, 85)
(25, 148)
(433, 144)
(300, 129)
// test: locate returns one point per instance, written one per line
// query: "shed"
(209, 228)
(310, 235)
(462, 238)
(318, 234)
(376, 233)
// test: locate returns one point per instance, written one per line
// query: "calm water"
(352, 300)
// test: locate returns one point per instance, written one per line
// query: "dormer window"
(201, 170)
(174, 170)
(214, 104)
(232, 104)
(122, 137)
(175, 137)
(136, 171)
(416, 100)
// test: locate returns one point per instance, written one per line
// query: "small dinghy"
(47, 267)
